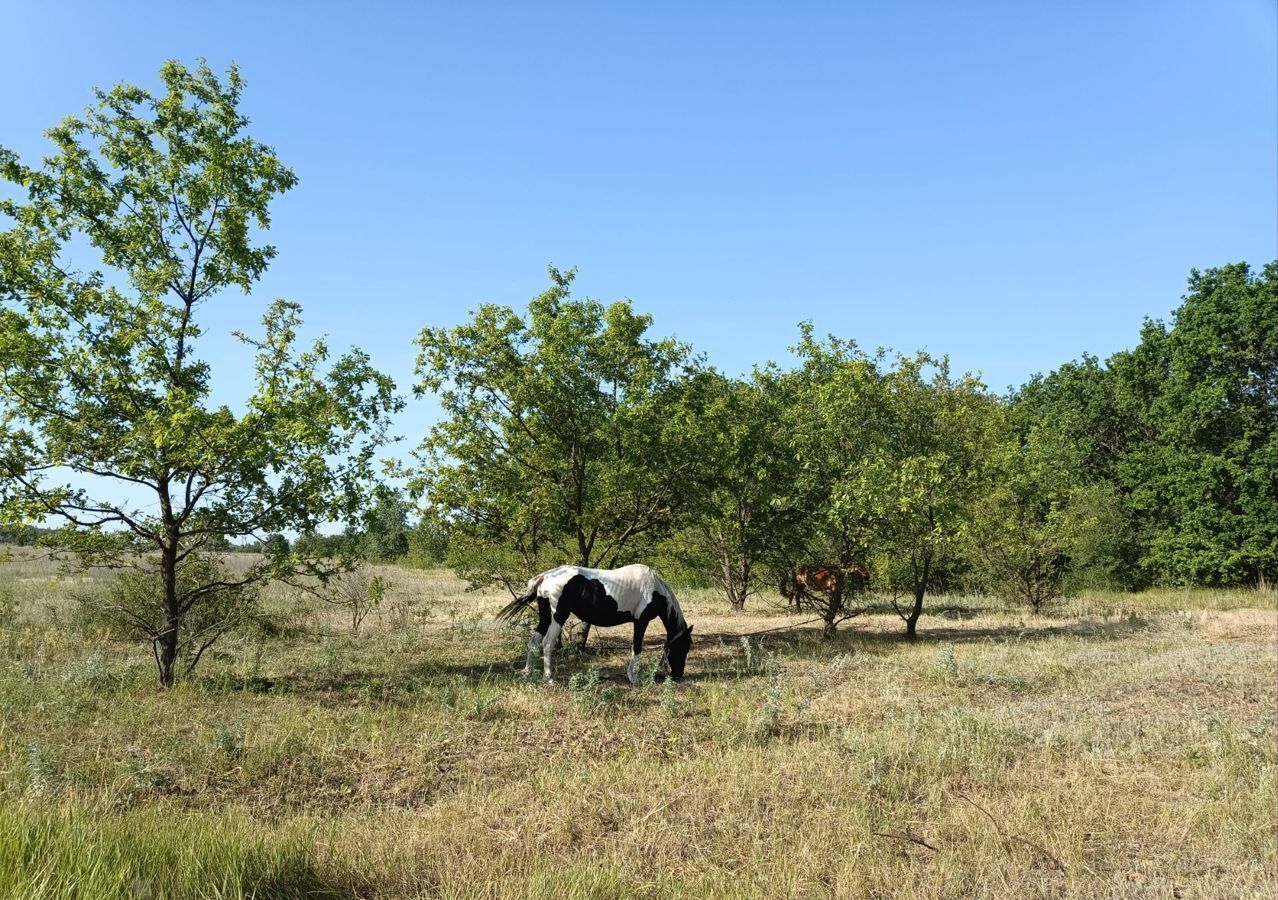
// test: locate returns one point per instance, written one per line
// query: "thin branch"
(1020, 840)
(905, 837)
(1043, 850)
(103, 473)
(988, 815)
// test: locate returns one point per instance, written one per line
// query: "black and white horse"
(603, 597)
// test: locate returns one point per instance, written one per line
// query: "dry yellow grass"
(1123, 746)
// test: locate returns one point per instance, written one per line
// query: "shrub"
(768, 719)
(132, 607)
(44, 770)
(945, 669)
(589, 692)
(89, 670)
(358, 592)
(229, 739)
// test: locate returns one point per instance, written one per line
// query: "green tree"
(927, 464)
(327, 546)
(1021, 531)
(1085, 422)
(106, 422)
(563, 436)
(383, 535)
(427, 544)
(833, 417)
(1204, 483)
(276, 544)
(740, 525)
(1175, 438)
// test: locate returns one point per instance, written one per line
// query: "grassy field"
(1123, 746)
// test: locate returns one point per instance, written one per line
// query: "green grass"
(1122, 745)
(71, 852)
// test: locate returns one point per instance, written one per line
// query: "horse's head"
(677, 649)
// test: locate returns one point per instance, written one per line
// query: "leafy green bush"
(768, 719)
(589, 692)
(132, 606)
(43, 769)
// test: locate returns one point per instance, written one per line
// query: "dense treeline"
(383, 534)
(568, 434)
(1180, 433)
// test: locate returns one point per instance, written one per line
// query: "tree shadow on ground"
(810, 643)
(402, 686)
(609, 650)
(405, 685)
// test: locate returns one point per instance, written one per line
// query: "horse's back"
(637, 572)
(610, 596)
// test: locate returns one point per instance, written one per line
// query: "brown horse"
(830, 580)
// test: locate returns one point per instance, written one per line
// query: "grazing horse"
(829, 580)
(603, 597)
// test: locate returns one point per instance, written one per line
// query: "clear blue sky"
(1009, 183)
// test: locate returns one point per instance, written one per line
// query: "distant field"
(1122, 746)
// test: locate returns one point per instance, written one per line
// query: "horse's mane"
(675, 608)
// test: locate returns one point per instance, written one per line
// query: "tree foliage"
(832, 405)
(927, 466)
(106, 420)
(1204, 484)
(1038, 518)
(564, 435)
(891, 457)
(739, 525)
(383, 531)
(1183, 431)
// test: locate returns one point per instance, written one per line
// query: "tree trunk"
(832, 610)
(920, 588)
(167, 642)
(791, 591)
(736, 588)
(912, 620)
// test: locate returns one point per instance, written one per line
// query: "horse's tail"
(512, 609)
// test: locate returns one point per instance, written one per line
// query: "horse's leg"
(539, 634)
(548, 648)
(534, 649)
(585, 633)
(552, 637)
(632, 668)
